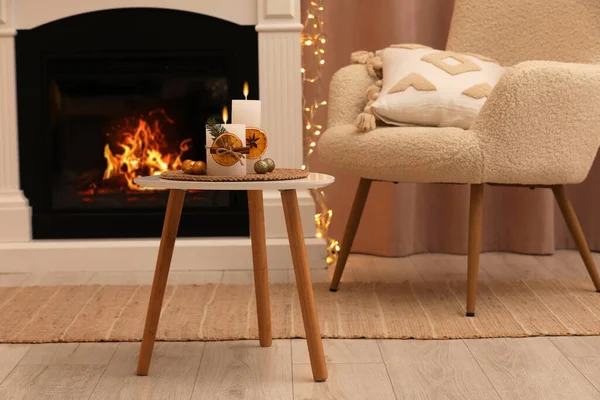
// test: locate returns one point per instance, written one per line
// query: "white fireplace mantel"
(29, 14)
(278, 25)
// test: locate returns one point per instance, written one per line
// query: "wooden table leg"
(303, 281)
(159, 285)
(261, 271)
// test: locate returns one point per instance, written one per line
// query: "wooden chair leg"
(261, 271)
(573, 223)
(304, 284)
(475, 219)
(159, 285)
(360, 198)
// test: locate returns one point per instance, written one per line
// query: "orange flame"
(225, 114)
(143, 149)
(246, 90)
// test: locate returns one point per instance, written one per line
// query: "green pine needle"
(215, 128)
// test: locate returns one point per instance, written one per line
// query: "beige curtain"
(412, 218)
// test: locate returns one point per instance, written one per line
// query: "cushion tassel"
(360, 57)
(375, 67)
(365, 122)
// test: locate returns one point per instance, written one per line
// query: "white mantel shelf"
(278, 25)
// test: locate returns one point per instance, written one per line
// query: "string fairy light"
(313, 58)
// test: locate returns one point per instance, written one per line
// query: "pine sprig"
(215, 128)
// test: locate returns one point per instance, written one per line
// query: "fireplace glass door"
(113, 120)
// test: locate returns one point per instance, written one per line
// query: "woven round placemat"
(279, 174)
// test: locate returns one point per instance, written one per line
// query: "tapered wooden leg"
(475, 218)
(360, 198)
(261, 271)
(573, 223)
(303, 281)
(159, 285)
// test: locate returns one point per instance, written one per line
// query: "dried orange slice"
(228, 141)
(256, 139)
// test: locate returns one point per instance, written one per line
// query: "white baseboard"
(140, 254)
(15, 217)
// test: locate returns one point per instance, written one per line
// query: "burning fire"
(141, 149)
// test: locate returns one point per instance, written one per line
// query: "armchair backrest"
(511, 31)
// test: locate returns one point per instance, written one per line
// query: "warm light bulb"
(302, 70)
(315, 36)
(225, 114)
(246, 90)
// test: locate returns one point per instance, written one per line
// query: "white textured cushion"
(428, 87)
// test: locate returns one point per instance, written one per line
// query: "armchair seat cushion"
(405, 154)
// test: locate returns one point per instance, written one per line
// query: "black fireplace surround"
(86, 82)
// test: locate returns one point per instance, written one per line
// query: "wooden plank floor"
(502, 369)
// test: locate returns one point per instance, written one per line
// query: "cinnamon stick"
(241, 150)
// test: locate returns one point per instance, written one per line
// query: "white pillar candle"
(247, 112)
(213, 168)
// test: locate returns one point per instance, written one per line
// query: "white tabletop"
(313, 181)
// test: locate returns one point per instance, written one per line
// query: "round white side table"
(289, 198)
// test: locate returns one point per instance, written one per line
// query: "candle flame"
(246, 90)
(225, 114)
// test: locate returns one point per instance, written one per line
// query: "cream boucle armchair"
(540, 127)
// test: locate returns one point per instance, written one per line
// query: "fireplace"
(222, 25)
(106, 96)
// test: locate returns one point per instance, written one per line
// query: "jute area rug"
(358, 310)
